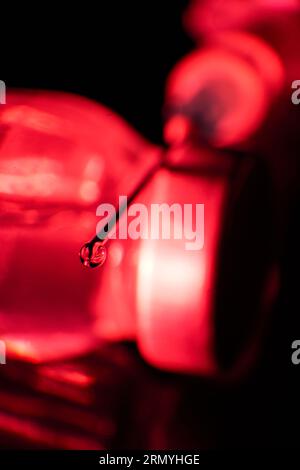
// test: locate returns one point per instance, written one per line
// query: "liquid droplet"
(93, 254)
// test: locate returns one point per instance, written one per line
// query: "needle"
(93, 253)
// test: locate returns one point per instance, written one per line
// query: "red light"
(258, 53)
(219, 92)
(161, 293)
(174, 286)
(177, 130)
(60, 156)
(206, 17)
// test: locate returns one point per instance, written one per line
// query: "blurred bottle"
(60, 156)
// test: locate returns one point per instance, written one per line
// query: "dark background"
(120, 53)
(116, 52)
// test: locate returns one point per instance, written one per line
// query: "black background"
(116, 52)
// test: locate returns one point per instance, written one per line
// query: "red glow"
(209, 16)
(231, 91)
(177, 130)
(174, 286)
(34, 431)
(68, 375)
(257, 52)
(59, 148)
(60, 156)
(158, 291)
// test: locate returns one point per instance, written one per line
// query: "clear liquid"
(93, 254)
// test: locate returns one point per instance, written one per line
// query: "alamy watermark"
(2, 92)
(153, 221)
(295, 97)
(295, 357)
(2, 352)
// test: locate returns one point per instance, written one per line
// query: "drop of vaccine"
(93, 254)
